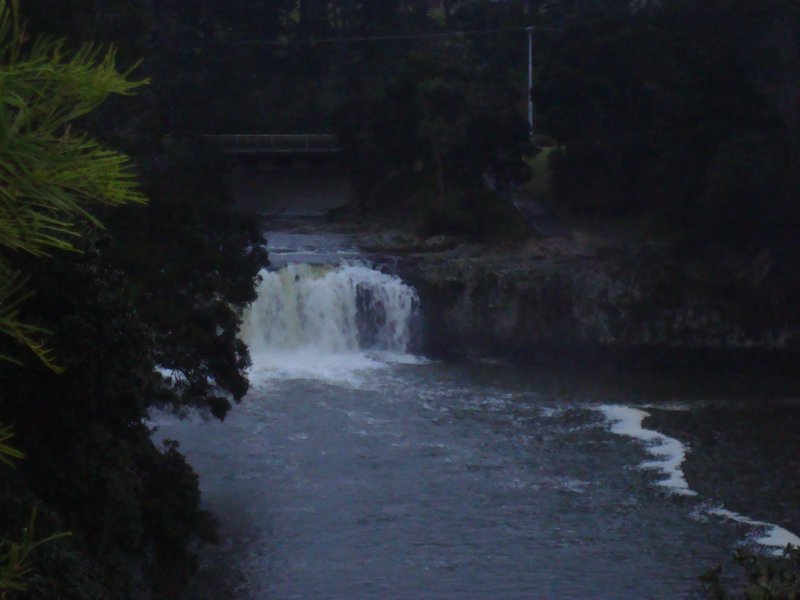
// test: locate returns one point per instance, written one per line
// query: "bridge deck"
(311, 143)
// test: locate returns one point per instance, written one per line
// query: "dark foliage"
(682, 111)
(161, 288)
(91, 464)
(424, 125)
(190, 243)
(768, 578)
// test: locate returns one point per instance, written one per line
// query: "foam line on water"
(668, 452)
(771, 535)
(670, 455)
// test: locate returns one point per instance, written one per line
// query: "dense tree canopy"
(681, 110)
(140, 314)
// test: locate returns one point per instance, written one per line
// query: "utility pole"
(530, 79)
(529, 29)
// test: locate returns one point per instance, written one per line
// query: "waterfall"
(310, 318)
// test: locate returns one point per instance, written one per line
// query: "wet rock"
(542, 304)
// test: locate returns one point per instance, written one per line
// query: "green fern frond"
(15, 557)
(7, 453)
(50, 174)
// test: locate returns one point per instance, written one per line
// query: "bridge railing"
(278, 143)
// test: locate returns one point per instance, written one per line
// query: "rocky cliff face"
(539, 307)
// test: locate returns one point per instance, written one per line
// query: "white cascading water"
(327, 322)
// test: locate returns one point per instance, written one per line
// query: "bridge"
(286, 175)
(278, 144)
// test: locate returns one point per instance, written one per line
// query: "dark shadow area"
(290, 186)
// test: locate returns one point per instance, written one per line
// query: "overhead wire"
(385, 38)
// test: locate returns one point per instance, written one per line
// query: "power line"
(384, 38)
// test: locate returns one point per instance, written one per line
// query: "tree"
(422, 140)
(678, 111)
(49, 175)
(189, 238)
(767, 578)
(110, 324)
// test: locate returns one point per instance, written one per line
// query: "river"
(357, 469)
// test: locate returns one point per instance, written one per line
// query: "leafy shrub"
(768, 578)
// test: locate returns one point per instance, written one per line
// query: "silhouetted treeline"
(687, 111)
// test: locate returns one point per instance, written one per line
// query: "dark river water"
(354, 470)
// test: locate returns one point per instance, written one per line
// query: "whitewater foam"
(628, 421)
(771, 535)
(668, 452)
(345, 368)
(332, 323)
